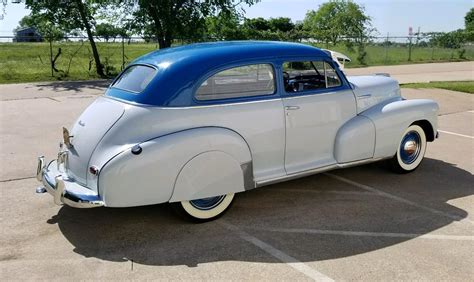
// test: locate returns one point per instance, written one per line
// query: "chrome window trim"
(275, 90)
(128, 67)
(340, 87)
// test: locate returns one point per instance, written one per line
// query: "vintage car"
(196, 124)
(339, 58)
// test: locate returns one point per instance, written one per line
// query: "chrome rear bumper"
(63, 189)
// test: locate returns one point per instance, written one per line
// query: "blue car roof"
(180, 68)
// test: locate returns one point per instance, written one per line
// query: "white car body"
(190, 152)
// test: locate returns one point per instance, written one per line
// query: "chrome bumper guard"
(65, 190)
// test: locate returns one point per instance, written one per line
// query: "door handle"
(365, 96)
(292, 108)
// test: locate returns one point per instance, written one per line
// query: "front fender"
(393, 117)
(150, 177)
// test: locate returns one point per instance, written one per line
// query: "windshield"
(135, 78)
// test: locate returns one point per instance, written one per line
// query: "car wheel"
(411, 150)
(206, 209)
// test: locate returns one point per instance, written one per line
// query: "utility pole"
(123, 53)
(410, 38)
(418, 36)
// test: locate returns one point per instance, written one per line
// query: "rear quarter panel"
(150, 177)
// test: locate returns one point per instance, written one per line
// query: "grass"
(461, 86)
(26, 62)
(378, 55)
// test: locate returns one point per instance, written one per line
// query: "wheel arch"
(427, 128)
(231, 157)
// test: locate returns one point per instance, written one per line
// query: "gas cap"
(136, 150)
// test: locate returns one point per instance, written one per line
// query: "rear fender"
(150, 177)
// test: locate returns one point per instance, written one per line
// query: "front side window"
(309, 75)
(135, 78)
(244, 81)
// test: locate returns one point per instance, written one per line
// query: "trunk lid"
(372, 90)
(87, 132)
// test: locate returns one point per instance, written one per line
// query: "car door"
(317, 101)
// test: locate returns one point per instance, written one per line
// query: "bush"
(361, 54)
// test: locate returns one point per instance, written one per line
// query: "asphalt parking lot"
(362, 223)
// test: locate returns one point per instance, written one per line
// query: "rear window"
(135, 78)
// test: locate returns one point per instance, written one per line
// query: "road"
(362, 223)
(422, 72)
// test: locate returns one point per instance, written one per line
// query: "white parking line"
(285, 258)
(337, 192)
(457, 134)
(397, 198)
(367, 234)
(470, 112)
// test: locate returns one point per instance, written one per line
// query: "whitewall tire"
(205, 209)
(411, 150)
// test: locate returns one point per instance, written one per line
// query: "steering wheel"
(286, 80)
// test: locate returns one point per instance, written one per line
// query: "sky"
(388, 16)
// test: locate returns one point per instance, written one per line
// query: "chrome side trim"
(228, 104)
(315, 171)
(247, 171)
(295, 175)
(360, 162)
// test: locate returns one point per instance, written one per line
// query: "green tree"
(26, 21)
(453, 39)
(337, 19)
(115, 20)
(225, 26)
(69, 15)
(170, 19)
(469, 20)
(271, 29)
(257, 24)
(107, 31)
(298, 33)
(281, 24)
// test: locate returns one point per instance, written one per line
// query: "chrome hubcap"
(410, 147)
(207, 203)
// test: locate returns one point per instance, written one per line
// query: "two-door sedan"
(196, 124)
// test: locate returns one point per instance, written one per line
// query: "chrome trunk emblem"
(67, 138)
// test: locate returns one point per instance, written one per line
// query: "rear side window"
(245, 81)
(309, 75)
(135, 78)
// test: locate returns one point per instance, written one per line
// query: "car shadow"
(153, 235)
(75, 86)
